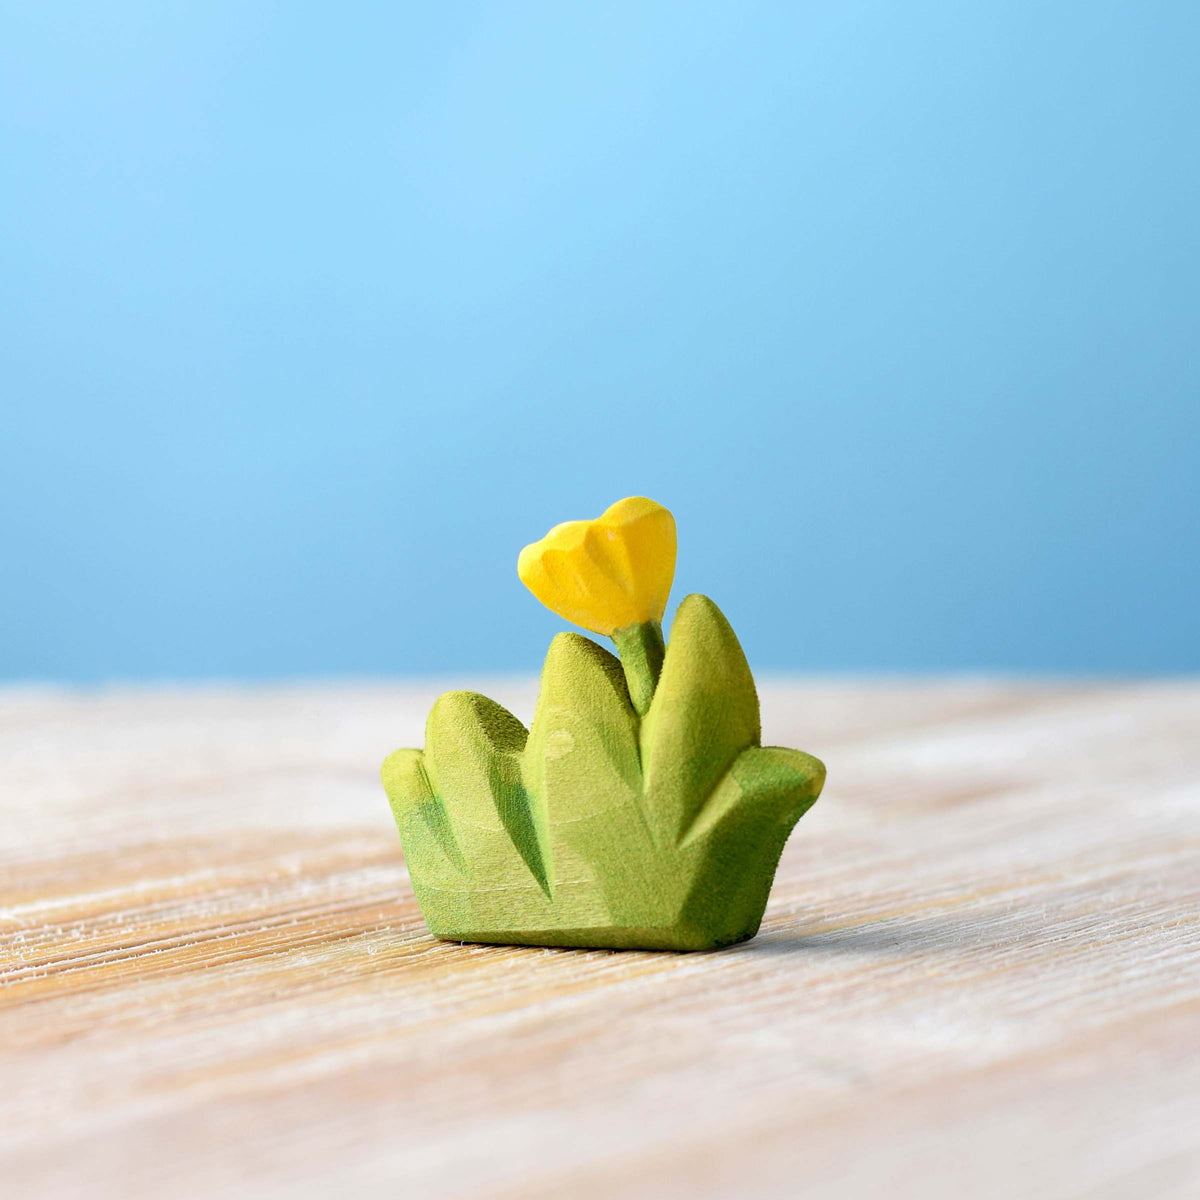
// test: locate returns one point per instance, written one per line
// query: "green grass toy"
(639, 811)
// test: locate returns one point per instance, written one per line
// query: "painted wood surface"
(978, 974)
(601, 827)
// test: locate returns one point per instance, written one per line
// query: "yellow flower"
(607, 574)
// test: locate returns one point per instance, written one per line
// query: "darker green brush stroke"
(514, 804)
(433, 812)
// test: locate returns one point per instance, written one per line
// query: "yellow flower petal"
(606, 574)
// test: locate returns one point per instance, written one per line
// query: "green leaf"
(704, 714)
(581, 761)
(430, 850)
(765, 784)
(472, 757)
(582, 753)
(734, 845)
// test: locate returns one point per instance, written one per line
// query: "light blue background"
(313, 314)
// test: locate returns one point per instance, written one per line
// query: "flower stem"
(641, 649)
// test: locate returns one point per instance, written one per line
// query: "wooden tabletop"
(978, 976)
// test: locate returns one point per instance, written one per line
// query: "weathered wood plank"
(979, 972)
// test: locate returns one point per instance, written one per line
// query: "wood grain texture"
(979, 971)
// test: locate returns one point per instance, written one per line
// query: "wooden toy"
(639, 811)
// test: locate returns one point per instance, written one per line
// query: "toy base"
(598, 939)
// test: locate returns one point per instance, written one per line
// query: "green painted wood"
(601, 827)
(703, 715)
(641, 649)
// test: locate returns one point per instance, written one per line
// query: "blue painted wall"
(311, 315)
